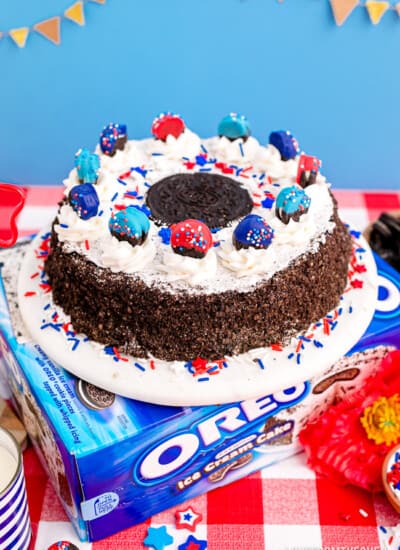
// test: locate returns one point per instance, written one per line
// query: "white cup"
(15, 527)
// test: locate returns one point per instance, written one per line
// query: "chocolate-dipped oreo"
(130, 224)
(87, 165)
(286, 144)
(307, 170)
(234, 126)
(216, 200)
(291, 203)
(112, 138)
(167, 124)
(84, 200)
(252, 232)
(191, 238)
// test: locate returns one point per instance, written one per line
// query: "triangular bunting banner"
(19, 36)
(342, 9)
(75, 13)
(376, 10)
(50, 29)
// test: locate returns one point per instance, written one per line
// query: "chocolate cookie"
(216, 200)
(93, 397)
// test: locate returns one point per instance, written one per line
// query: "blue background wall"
(283, 65)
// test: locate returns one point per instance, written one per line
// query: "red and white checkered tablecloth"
(281, 507)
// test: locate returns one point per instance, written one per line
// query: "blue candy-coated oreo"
(113, 137)
(234, 126)
(253, 231)
(87, 165)
(285, 143)
(291, 203)
(84, 200)
(131, 225)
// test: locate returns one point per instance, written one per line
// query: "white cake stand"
(261, 371)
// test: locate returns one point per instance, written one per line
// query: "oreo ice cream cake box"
(115, 462)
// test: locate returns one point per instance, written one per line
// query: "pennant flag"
(342, 9)
(75, 13)
(376, 10)
(19, 36)
(397, 8)
(50, 29)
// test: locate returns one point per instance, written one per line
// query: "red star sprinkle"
(12, 199)
(356, 283)
(359, 268)
(187, 519)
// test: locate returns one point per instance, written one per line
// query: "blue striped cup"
(15, 527)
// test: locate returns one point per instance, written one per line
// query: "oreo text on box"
(115, 461)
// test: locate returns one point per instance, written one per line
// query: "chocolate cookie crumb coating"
(142, 319)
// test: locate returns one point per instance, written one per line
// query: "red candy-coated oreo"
(191, 238)
(12, 199)
(167, 125)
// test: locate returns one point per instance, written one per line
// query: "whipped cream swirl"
(72, 228)
(122, 256)
(192, 270)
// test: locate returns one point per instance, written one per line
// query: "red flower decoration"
(12, 199)
(337, 444)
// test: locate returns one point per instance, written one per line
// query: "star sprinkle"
(158, 538)
(193, 544)
(187, 519)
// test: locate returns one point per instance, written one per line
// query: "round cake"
(177, 247)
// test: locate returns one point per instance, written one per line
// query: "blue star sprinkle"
(267, 202)
(158, 538)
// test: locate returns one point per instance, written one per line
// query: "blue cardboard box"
(115, 461)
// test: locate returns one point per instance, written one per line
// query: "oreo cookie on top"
(112, 138)
(234, 126)
(130, 224)
(191, 238)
